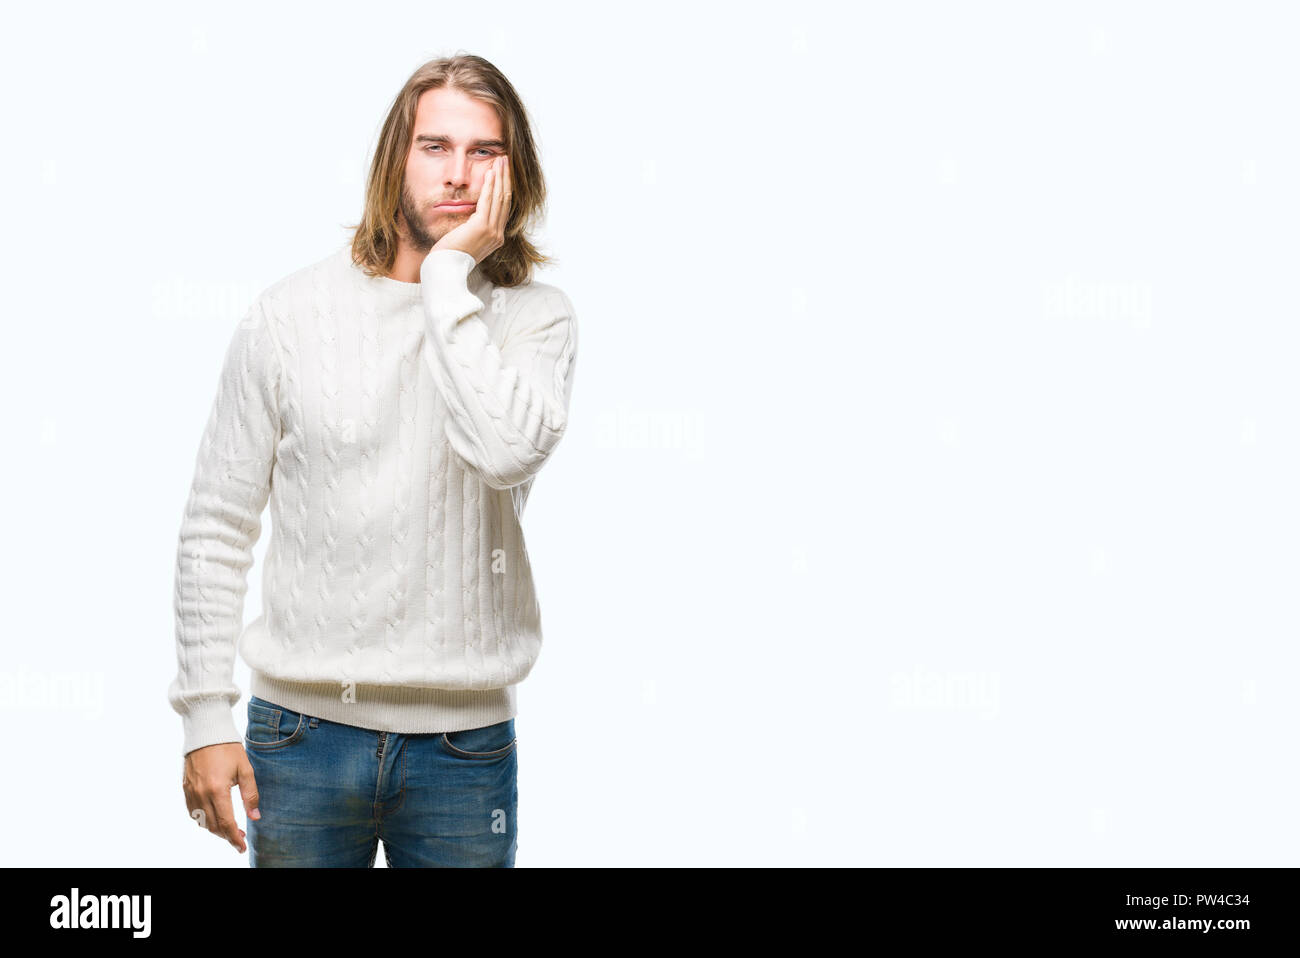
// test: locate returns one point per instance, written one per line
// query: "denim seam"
(496, 753)
(295, 736)
(270, 716)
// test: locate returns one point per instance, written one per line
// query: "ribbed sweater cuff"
(444, 276)
(208, 722)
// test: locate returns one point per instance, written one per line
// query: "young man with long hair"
(394, 402)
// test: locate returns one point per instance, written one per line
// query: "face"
(456, 139)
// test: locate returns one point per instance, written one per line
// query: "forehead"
(444, 112)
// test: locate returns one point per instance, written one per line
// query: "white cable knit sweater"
(396, 429)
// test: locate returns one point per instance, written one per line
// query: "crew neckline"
(409, 292)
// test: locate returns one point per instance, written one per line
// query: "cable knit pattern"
(396, 430)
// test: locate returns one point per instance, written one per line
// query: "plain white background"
(929, 496)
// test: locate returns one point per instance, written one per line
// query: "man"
(394, 402)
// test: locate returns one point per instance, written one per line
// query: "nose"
(458, 171)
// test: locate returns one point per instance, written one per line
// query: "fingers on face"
(496, 194)
(499, 201)
(495, 203)
(484, 205)
(503, 193)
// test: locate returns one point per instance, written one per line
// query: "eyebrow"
(430, 138)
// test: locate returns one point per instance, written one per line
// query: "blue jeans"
(329, 792)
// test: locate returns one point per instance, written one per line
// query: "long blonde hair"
(375, 238)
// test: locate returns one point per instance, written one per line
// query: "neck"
(406, 266)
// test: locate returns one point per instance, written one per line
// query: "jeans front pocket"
(482, 744)
(272, 726)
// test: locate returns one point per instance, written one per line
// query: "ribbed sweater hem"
(391, 708)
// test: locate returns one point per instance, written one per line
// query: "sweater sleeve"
(507, 406)
(220, 526)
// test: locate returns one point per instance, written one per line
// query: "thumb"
(248, 790)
